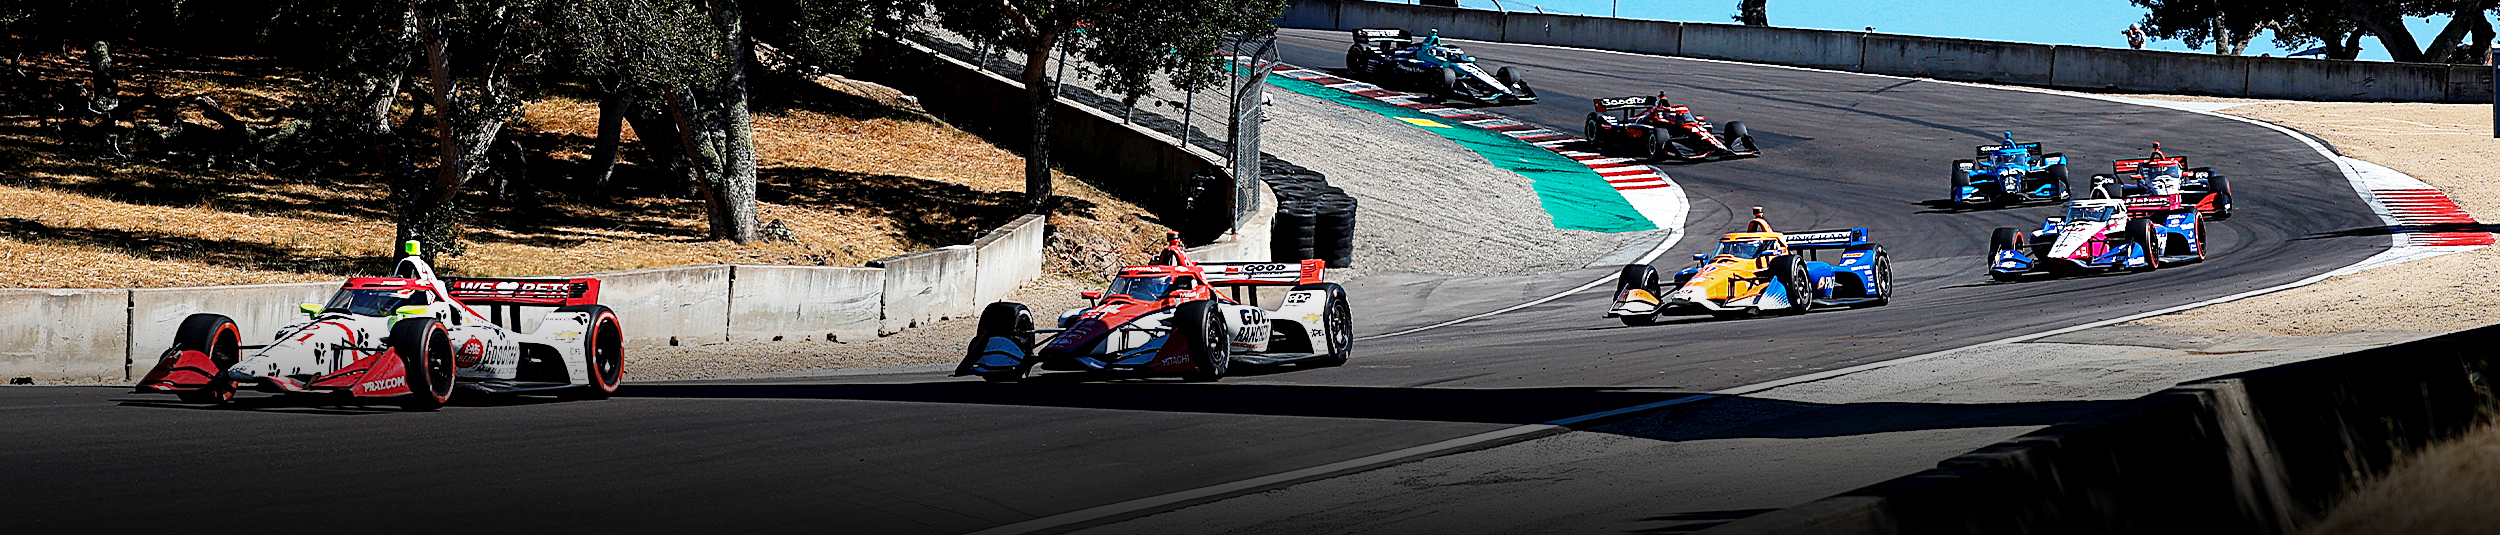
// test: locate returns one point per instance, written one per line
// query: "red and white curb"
(1650, 192)
(2403, 201)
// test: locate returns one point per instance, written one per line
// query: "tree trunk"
(431, 215)
(2347, 48)
(612, 111)
(2388, 26)
(1043, 97)
(105, 96)
(2481, 51)
(719, 135)
(2444, 47)
(1753, 12)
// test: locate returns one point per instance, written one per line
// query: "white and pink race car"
(2139, 234)
(412, 338)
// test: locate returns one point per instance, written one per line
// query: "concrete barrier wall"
(1007, 257)
(928, 286)
(791, 303)
(2255, 452)
(64, 335)
(2347, 80)
(1644, 36)
(1778, 46)
(1949, 59)
(258, 311)
(1959, 59)
(684, 305)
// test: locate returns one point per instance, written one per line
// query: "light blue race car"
(2009, 173)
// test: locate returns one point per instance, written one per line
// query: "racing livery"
(2162, 175)
(1663, 130)
(1763, 269)
(1386, 55)
(411, 336)
(1171, 317)
(2139, 234)
(2009, 173)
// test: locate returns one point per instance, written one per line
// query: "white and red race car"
(411, 336)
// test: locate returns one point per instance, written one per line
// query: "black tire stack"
(1313, 219)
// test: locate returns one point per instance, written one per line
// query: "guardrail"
(2255, 452)
(2068, 66)
(80, 334)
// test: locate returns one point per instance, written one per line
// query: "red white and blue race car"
(1661, 130)
(2139, 234)
(1171, 317)
(412, 338)
(2163, 174)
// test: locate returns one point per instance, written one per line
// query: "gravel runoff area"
(2449, 146)
(1429, 205)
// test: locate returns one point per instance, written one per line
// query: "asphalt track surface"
(922, 453)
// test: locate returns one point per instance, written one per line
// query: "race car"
(412, 338)
(1393, 56)
(2009, 173)
(1762, 269)
(1663, 130)
(2138, 234)
(2161, 175)
(1172, 317)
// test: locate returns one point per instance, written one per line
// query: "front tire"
(1336, 322)
(2140, 232)
(1644, 277)
(1961, 180)
(1883, 279)
(2057, 174)
(424, 349)
(216, 336)
(1201, 326)
(2221, 195)
(2005, 239)
(1790, 272)
(1003, 319)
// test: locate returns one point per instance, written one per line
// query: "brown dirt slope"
(855, 171)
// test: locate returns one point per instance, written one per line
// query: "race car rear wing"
(525, 292)
(1382, 34)
(1263, 273)
(1624, 103)
(2030, 148)
(2123, 166)
(1825, 239)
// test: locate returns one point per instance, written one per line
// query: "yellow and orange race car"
(1762, 269)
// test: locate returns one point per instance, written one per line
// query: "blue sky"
(2064, 22)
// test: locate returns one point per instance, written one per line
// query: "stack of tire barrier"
(1313, 219)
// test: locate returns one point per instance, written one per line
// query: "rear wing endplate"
(525, 292)
(1825, 239)
(1263, 273)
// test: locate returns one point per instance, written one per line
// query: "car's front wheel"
(1201, 325)
(424, 349)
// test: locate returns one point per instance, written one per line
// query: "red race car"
(2163, 174)
(1662, 130)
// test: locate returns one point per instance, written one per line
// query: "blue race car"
(2009, 173)
(1392, 55)
(2138, 234)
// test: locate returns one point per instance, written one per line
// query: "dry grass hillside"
(856, 171)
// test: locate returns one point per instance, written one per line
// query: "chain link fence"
(1222, 119)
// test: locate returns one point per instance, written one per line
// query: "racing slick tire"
(1588, 131)
(424, 348)
(1883, 279)
(1654, 146)
(1354, 60)
(1010, 320)
(2140, 233)
(1735, 134)
(1210, 344)
(1510, 78)
(1337, 322)
(1790, 272)
(1449, 83)
(1961, 179)
(2221, 188)
(1641, 276)
(2006, 239)
(603, 354)
(217, 337)
(2057, 175)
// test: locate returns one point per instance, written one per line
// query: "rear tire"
(1645, 277)
(1336, 322)
(217, 337)
(1353, 60)
(603, 354)
(1588, 131)
(1010, 320)
(424, 349)
(1883, 279)
(1210, 344)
